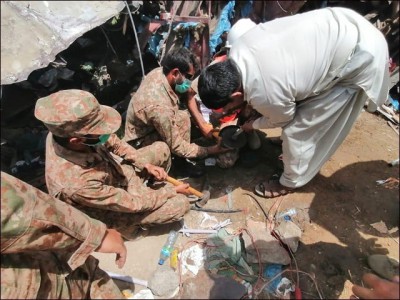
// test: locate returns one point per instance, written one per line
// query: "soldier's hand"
(158, 172)
(113, 243)
(217, 149)
(377, 288)
(183, 189)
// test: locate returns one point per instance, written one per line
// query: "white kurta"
(311, 74)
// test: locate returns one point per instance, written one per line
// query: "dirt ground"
(339, 206)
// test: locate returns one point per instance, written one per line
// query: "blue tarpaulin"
(223, 25)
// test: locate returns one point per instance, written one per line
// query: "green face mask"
(183, 87)
(100, 141)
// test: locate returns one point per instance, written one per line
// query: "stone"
(163, 282)
(268, 246)
(289, 233)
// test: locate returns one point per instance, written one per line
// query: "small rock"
(289, 233)
(163, 282)
(268, 247)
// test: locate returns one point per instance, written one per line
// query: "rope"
(136, 38)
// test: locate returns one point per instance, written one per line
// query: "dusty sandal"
(271, 189)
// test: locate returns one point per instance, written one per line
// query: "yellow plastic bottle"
(173, 259)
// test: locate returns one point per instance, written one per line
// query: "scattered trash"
(287, 213)
(390, 183)
(208, 221)
(173, 260)
(128, 294)
(285, 286)
(229, 190)
(270, 272)
(225, 252)
(395, 103)
(188, 231)
(164, 282)
(380, 226)
(394, 162)
(210, 162)
(222, 224)
(249, 288)
(168, 247)
(269, 248)
(289, 233)
(127, 278)
(194, 255)
(143, 294)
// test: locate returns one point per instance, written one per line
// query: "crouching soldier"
(46, 246)
(89, 167)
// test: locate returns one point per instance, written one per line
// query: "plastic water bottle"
(287, 214)
(168, 247)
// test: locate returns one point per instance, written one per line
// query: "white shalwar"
(311, 74)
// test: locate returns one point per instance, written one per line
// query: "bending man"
(310, 74)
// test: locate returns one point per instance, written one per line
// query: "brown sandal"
(271, 189)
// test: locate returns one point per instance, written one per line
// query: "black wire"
(262, 209)
(222, 211)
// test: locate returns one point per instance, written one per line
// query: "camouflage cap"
(70, 113)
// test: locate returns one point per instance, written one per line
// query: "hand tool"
(204, 196)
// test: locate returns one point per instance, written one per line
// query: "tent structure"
(33, 32)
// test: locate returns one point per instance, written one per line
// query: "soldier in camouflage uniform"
(90, 168)
(46, 246)
(154, 113)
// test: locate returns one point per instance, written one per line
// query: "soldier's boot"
(187, 168)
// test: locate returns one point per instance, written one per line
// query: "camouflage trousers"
(174, 209)
(224, 160)
(46, 275)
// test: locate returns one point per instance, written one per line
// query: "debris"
(285, 286)
(208, 221)
(394, 162)
(189, 231)
(194, 255)
(221, 211)
(222, 224)
(380, 226)
(229, 190)
(390, 183)
(143, 294)
(289, 234)
(211, 161)
(289, 212)
(394, 127)
(128, 294)
(164, 282)
(127, 278)
(224, 256)
(271, 273)
(268, 246)
(389, 116)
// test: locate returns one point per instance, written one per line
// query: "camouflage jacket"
(154, 108)
(98, 181)
(42, 241)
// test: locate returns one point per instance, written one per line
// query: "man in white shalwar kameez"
(310, 74)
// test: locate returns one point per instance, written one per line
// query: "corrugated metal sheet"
(33, 32)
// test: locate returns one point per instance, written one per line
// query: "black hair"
(180, 58)
(218, 82)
